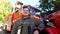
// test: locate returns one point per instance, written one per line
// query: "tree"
(46, 6)
(57, 3)
(5, 8)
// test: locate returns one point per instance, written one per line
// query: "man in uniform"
(27, 24)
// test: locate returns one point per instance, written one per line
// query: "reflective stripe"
(19, 31)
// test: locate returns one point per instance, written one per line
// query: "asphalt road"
(2, 32)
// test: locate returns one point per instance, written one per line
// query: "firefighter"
(17, 13)
(27, 24)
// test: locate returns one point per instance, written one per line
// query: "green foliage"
(46, 6)
(5, 8)
(57, 3)
(50, 5)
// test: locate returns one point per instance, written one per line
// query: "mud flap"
(5, 27)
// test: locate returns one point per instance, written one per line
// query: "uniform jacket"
(26, 22)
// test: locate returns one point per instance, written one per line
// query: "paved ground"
(1, 31)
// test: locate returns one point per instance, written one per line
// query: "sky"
(29, 2)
